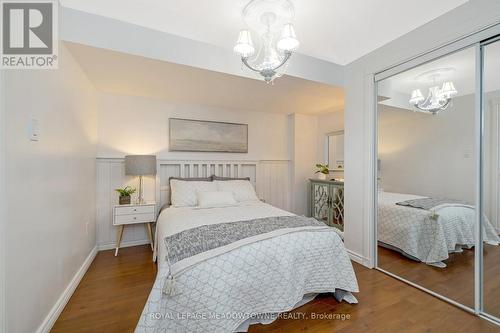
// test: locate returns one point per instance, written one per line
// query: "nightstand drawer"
(127, 210)
(134, 218)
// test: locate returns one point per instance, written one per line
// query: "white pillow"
(215, 199)
(242, 189)
(184, 193)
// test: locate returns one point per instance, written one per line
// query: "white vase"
(322, 176)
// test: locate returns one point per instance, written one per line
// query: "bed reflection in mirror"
(426, 217)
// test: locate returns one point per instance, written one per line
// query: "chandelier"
(438, 98)
(271, 21)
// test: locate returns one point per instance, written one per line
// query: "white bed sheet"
(264, 277)
(428, 236)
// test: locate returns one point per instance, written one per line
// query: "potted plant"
(322, 171)
(125, 194)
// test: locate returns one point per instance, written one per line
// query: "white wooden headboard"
(271, 177)
(196, 169)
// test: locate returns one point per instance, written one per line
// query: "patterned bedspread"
(265, 276)
(191, 246)
(428, 236)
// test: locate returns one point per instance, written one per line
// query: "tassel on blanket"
(169, 287)
(434, 216)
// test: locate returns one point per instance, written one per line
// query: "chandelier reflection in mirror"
(271, 21)
(439, 97)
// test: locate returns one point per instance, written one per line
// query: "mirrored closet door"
(427, 175)
(491, 177)
(437, 197)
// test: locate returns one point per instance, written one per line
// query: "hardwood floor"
(112, 294)
(491, 278)
(456, 281)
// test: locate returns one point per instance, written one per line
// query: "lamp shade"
(140, 165)
(288, 40)
(448, 90)
(416, 96)
(244, 45)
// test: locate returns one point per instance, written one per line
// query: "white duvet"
(428, 236)
(270, 276)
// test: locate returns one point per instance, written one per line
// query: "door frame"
(480, 104)
(3, 206)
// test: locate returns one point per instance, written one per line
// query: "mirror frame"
(327, 149)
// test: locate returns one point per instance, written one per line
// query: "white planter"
(322, 176)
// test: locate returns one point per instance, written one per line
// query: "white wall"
(429, 155)
(50, 185)
(359, 120)
(139, 125)
(287, 149)
(307, 147)
(303, 143)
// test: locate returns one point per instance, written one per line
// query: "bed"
(245, 280)
(428, 235)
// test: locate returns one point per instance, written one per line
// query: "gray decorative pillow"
(199, 179)
(214, 177)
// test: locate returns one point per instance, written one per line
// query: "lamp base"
(140, 199)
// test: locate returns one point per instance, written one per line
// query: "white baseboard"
(359, 259)
(66, 295)
(112, 245)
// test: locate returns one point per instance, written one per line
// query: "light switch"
(468, 152)
(34, 130)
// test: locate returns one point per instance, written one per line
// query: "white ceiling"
(463, 75)
(396, 90)
(339, 31)
(126, 74)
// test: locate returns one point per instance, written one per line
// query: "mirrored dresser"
(327, 202)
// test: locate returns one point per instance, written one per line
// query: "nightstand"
(134, 214)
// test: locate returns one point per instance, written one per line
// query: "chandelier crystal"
(438, 98)
(271, 21)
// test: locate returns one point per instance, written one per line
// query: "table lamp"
(140, 165)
